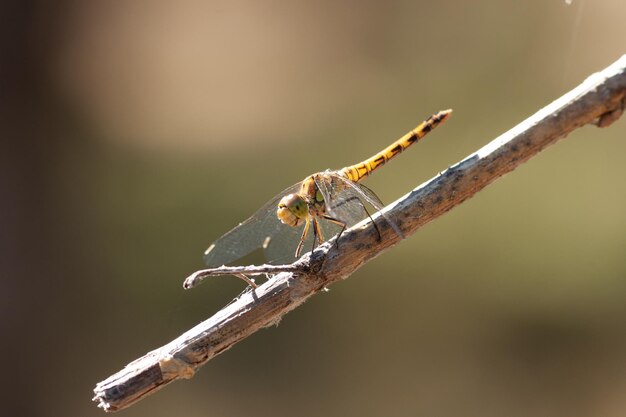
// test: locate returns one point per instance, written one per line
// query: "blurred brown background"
(134, 133)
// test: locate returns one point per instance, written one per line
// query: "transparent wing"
(262, 230)
(345, 200)
(282, 248)
(342, 203)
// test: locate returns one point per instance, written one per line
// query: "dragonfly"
(323, 204)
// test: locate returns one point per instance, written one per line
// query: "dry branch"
(600, 99)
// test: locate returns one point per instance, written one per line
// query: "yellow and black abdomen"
(363, 169)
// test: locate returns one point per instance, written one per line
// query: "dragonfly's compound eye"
(292, 210)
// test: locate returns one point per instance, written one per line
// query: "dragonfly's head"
(292, 210)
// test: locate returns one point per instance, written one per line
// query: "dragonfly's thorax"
(312, 195)
(293, 209)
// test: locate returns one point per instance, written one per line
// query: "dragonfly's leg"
(366, 212)
(320, 235)
(304, 233)
(373, 222)
(315, 233)
(338, 222)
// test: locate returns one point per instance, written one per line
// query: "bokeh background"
(137, 132)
